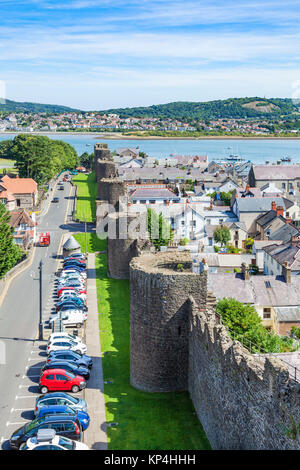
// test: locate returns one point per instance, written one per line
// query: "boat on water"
(286, 159)
(235, 158)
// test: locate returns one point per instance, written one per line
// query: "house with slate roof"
(275, 298)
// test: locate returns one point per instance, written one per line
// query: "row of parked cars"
(61, 418)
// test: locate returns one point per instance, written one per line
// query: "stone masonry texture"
(242, 402)
(159, 320)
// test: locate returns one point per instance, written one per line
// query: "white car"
(67, 271)
(73, 273)
(64, 335)
(69, 318)
(67, 292)
(46, 439)
(69, 295)
(63, 344)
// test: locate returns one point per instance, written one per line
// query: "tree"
(41, 158)
(222, 235)
(159, 229)
(245, 325)
(10, 253)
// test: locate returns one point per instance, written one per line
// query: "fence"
(294, 372)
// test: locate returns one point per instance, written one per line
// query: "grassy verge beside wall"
(93, 243)
(86, 196)
(147, 421)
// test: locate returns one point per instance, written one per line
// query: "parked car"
(70, 318)
(75, 262)
(82, 416)
(67, 426)
(69, 305)
(64, 334)
(68, 366)
(59, 398)
(59, 379)
(77, 301)
(55, 199)
(72, 272)
(78, 260)
(68, 355)
(66, 344)
(47, 439)
(71, 289)
(74, 282)
(65, 295)
(75, 255)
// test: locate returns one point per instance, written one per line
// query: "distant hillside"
(230, 108)
(18, 107)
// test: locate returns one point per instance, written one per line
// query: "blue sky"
(98, 54)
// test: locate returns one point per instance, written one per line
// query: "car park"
(60, 398)
(68, 355)
(66, 344)
(47, 439)
(68, 366)
(82, 416)
(68, 426)
(59, 379)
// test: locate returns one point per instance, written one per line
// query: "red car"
(60, 380)
(80, 291)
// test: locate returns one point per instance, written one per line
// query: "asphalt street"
(19, 313)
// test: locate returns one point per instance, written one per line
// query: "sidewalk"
(95, 436)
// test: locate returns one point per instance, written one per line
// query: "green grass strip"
(86, 195)
(93, 243)
(147, 421)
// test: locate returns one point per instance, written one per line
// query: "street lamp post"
(41, 304)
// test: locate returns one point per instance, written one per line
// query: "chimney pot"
(274, 206)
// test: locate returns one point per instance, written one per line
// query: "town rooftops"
(19, 217)
(261, 204)
(152, 193)
(286, 252)
(276, 172)
(18, 185)
(258, 290)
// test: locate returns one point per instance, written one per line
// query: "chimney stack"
(247, 187)
(245, 272)
(288, 220)
(274, 206)
(279, 211)
(295, 241)
(286, 271)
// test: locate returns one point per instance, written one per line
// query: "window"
(208, 221)
(283, 185)
(267, 313)
(290, 185)
(50, 377)
(61, 377)
(182, 222)
(220, 221)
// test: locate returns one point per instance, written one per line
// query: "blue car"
(82, 416)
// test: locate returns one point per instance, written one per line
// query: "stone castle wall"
(241, 401)
(120, 251)
(159, 320)
(101, 152)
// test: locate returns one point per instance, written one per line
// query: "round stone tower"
(110, 190)
(160, 285)
(121, 247)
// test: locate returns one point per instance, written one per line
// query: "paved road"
(19, 313)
